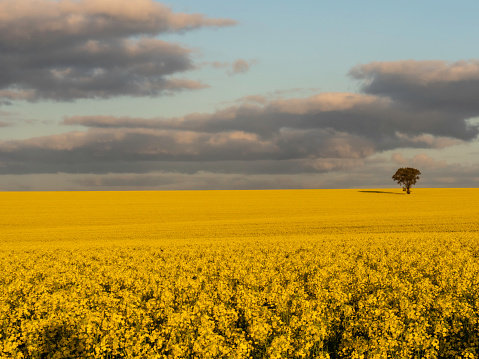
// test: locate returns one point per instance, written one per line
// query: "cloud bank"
(67, 50)
(424, 84)
(321, 133)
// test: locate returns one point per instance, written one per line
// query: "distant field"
(99, 218)
(238, 274)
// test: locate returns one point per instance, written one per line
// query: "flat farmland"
(240, 274)
(69, 218)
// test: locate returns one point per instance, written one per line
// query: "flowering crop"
(240, 274)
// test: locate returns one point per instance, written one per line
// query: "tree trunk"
(408, 191)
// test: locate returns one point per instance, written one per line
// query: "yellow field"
(207, 274)
(98, 218)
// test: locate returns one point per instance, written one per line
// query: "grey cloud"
(100, 150)
(323, 133)
(201, 180)
(102, 145)
(78, 166)
(92, 49)
(127, 180)
(323, 144)
(368, 174)
(372, 174)
(383, 121)
(137, 68)
(424, 84)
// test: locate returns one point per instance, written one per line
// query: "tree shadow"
(385, 192)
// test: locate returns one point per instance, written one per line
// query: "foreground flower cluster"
(395, 297)
(356, 294)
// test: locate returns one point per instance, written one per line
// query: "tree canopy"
(406, 177)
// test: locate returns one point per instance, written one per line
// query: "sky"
(214, 94)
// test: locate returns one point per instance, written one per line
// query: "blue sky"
(273, 95)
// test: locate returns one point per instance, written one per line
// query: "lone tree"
(406, 177)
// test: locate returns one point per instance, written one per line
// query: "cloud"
(381, 120)
(217, 64)
(260, 136)
(427, 140)
(127, 180)
(424, 161)
(201, 180)
(7, 96)
(399, 159)
(241, 66)
(40, 23)
(330, 131)
(368, 174)
(421, 161)
(67, 50)
(424, 84)
(5, 115)
(259, 99)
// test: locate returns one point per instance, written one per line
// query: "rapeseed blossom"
(232, 274)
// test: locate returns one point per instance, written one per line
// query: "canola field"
(240, 274)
